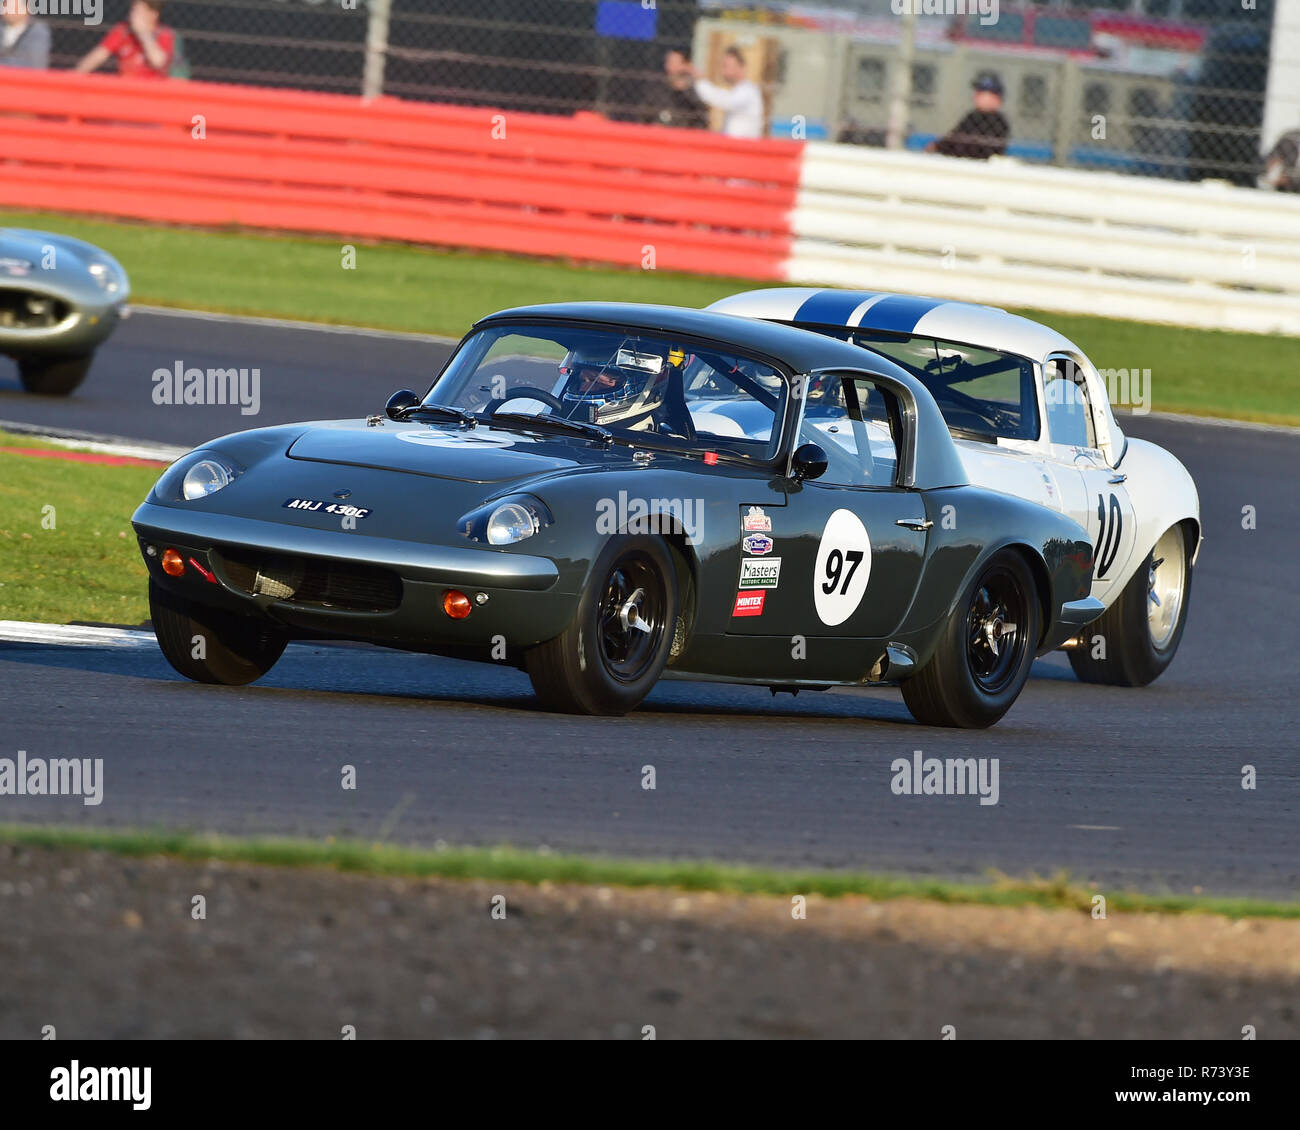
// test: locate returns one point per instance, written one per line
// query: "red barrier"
(216, 155)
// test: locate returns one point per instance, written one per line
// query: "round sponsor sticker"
(443, 439)
(842, 569)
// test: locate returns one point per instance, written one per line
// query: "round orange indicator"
(172, 563)
(456, 604)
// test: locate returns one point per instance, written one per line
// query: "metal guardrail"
(1012, 234)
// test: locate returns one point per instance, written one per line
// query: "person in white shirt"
(740, 100)
(23, 42)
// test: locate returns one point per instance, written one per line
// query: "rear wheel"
(608, 659)
(53, 376)
(1135, 639)
(210, 645)
(987, 649)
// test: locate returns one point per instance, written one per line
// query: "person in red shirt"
(142, 46)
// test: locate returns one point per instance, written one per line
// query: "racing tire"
(612, 654)
(236, 649)
(53, 376)
(985, 651)
(1141, 631)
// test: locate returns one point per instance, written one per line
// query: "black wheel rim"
(630, 623)
(996, 630)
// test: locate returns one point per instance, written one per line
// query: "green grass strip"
(67, 550)
(509, 864)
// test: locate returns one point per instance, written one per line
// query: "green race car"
(605, 494)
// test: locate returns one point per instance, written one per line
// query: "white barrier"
(1009, 234)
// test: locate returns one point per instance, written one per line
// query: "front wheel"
(1135, 639)
(210, 645)
(53, 376)
(608, 659)
(986, 651)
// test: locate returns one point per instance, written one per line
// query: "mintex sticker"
(757, 544)
(756, 521)
(760, 574)
(749, 603)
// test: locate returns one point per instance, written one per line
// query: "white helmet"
(622, 388)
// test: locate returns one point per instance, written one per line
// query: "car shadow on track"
(378, 677)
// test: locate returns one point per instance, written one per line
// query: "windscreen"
(642, 387)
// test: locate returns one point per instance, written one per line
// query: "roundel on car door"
(842, 568)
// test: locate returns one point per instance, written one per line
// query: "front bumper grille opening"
(312, 582)
(29, 310)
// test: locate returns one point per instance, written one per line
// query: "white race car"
(1032, 417)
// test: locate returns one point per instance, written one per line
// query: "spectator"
(1282, 165)
(740, 100)
(673, 102)
(984, 131)
(143, 47)
(24, 42)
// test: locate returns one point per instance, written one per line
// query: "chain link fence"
(1169, 88)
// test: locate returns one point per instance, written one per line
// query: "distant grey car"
(60, 298)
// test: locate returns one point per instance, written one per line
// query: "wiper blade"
(442, 412)
(554, 423)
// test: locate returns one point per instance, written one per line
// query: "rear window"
(983, 394)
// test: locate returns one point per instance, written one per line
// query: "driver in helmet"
(627, 387)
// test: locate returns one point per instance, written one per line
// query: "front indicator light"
(456, 604)
(172, 563)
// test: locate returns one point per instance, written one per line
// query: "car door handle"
(1118, 478)
(914, 523)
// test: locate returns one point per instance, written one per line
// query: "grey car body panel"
(58, 267)
(420, 480)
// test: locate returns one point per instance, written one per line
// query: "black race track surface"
(1124, 787)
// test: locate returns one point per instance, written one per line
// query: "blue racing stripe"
(898, 313)
(831, 307)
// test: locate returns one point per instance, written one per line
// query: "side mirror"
(399, 402)
(809, 462)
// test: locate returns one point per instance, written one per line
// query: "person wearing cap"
(984, 131)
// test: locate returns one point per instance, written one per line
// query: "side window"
(856, 423)
(1069, 415)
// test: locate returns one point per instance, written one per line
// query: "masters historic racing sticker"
(764, 574)
(749, 603)
(842, 569)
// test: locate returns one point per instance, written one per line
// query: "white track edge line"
(289, 323)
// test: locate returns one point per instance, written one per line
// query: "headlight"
(504, 521)
(195, 476)
(206, 477)
(106, 274)
(509, 523)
